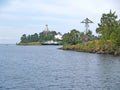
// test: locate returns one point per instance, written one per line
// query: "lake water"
(48, 68)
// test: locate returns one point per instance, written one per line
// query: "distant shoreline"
(29, 44)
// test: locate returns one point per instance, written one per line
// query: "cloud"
(61, 8)
(29, 16)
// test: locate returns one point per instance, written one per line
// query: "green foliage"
(71, 38)
(45, 36)
(24, 38)
(108, 41)
(109, 29)
(75, 37)
(41, 37)
(115, 37)
(106, 25)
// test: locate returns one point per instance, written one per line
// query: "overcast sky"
(30, 16)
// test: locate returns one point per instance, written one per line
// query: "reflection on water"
(48, 68)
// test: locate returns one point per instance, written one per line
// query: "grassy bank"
(30, 43)
(94, 47)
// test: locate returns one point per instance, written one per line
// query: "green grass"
(30, 43)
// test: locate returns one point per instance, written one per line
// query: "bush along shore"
(107, 41)
(96, 46)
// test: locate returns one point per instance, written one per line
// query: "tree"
(109, 29)
(35, 37)
(72, 38)
(115, 36)
(29, 38)
(24, 38)
(106, 25)
(43, 36)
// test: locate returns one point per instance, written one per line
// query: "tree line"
(74, 37)
(41, 37)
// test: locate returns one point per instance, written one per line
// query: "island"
(46, 37)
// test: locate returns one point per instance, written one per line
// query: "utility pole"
(86, 21)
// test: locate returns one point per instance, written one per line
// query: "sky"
(18, 17)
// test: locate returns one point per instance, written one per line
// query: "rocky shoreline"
(93, 47)
(116, 53)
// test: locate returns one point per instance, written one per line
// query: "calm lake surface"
(48, 68)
